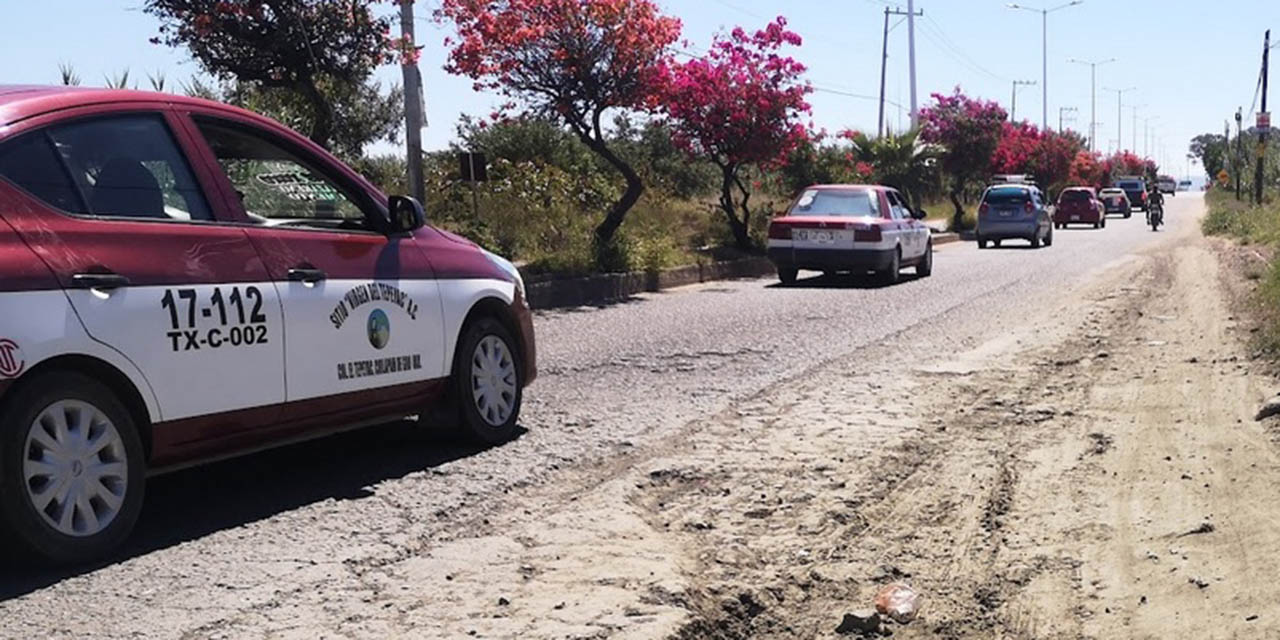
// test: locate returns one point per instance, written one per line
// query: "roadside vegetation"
(1259, 226)
(615, 150)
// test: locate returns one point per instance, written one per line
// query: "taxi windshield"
(845, 202)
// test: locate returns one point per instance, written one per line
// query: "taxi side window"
(896, 206)
(278, 187)
(30, 163)
(114, 167)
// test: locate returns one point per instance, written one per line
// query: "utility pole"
(1093, 97)
(1146, 135)
(884, 59)
(1044, 51)
(1262, 133)
(1135, 108)
(1062, 110)
(911, 44)
(413, 108)
(1013, 105)
(1236, 169)
(1119, 113)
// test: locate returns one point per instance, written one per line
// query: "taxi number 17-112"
(239, 318)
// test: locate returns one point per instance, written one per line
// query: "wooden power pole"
(1262, 132)
(414, 120)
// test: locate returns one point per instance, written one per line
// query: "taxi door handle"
(306, 275)
(101, 281)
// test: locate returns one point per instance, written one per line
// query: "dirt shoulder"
(1092, 471)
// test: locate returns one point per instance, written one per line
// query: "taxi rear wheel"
(787, 275)
(487, 382)
(893, 273)
(924, 268)
(72, 469)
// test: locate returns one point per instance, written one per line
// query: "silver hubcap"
(75, 469)
(493, 380)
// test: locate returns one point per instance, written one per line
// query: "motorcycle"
(1155, 215)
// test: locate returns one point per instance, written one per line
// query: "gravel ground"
(388, 532)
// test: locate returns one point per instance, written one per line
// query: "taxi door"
(151, 269)
(362, 308)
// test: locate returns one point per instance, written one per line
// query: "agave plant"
(157, 81)
(901, 161)
(119, 81)
(69, 76)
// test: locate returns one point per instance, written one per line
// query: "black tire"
(995, 243)
(1127, 214)
(787, 275)
(1035, 240)
(982, 243)
(1097, 225)
(1103, 222)
(893, 273)
(470, 423)
(20, 520)
(924, 268)
(1048, 239)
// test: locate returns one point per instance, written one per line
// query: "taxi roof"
(19, 102)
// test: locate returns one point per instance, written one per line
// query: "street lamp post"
(1120, 113)
(1093, 97)
(1044, 50)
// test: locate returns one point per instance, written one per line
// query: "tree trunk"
(604, 249)
(741, 236)
(322, 126)
(617, 213)
(958, 222)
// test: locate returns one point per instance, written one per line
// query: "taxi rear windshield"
(852, 203)
(1007, 195)
(1130, 185)
(1075, 196)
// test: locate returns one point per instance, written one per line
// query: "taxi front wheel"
(487, 382)
(71, 469)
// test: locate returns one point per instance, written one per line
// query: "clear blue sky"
(1192, 63)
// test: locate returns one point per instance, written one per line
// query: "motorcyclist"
(1155, 199)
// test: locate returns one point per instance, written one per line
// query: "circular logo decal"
(11, 362)
(379, 329)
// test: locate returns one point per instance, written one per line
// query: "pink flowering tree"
(740, 106)
(569, 60)
(969, 131)
(317, 50)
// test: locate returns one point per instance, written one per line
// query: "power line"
(955, 51)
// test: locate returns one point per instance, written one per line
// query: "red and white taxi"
(182, 280)
(855, 228)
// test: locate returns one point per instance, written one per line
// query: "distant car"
(1167, 185)
(1136, 189)
(1184, 185)
(850, 228)
(1010, 211)
(1079, 205)
(1115, 200)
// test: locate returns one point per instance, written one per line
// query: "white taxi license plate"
(1075, 217)
(818, 236)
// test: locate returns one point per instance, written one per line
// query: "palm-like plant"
(901, 161)
(69, 76)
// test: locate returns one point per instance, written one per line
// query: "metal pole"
(911, 43)
(884, 62)
(1262, 133)
(1235, 162)
(414, 119)
(1093, 106)
(1044, 67)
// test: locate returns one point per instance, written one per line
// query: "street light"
(1120, 113)
(1044, 43)
(1093, 96)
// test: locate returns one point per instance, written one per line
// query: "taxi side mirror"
(919, 214)
(406, 214)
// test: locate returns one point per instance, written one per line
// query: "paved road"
(232, 544)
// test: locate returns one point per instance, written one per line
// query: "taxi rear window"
(1075, 195)
(1007, 195)
(824, 202)
(1130, 185)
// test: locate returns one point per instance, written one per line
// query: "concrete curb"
(945, 238)
(606, 287)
